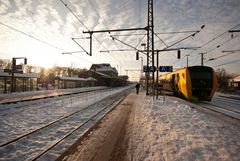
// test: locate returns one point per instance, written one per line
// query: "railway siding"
(36, 144)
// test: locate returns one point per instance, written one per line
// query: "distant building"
(105, 69)
(123, 77)
(105, 75)
(73, 82)
(235, 82)
(22, 82)
(102, 79)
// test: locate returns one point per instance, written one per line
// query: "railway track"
(228, 107)
(44, 102)
(14, 101)
(39, 114)
(226, 111)
(50, 140)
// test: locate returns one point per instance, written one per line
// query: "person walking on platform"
(137, 87)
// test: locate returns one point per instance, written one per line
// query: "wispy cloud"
(51, 21)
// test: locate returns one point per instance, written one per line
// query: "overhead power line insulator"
(179, 54)
(137, 55)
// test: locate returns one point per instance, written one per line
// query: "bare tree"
(5, 64)
(223, 77)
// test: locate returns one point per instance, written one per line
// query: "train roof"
(193, 68)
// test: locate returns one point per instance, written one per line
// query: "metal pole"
(187, 59)
(201, 59)
(147, 77)
(152, 34)
(91, 43)
(150, 40)
(157, 73)
(13, 70)
(116, 30)
(141, 65)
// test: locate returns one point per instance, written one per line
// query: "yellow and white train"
(191, 83)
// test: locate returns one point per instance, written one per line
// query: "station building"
(73, 82)
(235, 82)
(97, 75)
(105, 75)
(22, 81)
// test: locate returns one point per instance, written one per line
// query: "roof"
(236, 79)
(71, 78)
(91, 79)
(76, 78)
(104, 75)
(21, 75)
(103, 67)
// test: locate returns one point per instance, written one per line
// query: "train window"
(183, 75)
(201, 75)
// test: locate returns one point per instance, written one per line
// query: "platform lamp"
(14, 70)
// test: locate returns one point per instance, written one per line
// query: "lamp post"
(141, 64)
(14, 70)
(202, 58)
(146, 74)
(187, 58)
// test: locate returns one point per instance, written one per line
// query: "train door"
(175, 83)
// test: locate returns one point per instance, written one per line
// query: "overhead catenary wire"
(211, 59)
(140, 41)
(72, 12)
(98, 13)
(218, 46)
(203, 26)
(161, 40)
(31, 36)
(117, 9)
(112, 14)
(66, 5)
(157, 33)
(38, 18)
(139, 20)
(235, 61)
(215, 38)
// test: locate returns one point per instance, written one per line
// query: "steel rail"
(47, 96)
(226, 112)
(221, 110)
(44, 126)
(113, 105)
(218, 106)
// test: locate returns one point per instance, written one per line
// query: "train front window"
(201, 80)
(201, 75)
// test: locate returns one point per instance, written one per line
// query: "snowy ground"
(19, 96)
(159, 130)
(141, 129)
(171, 130)
(21, 118)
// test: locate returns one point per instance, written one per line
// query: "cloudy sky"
(42, 30)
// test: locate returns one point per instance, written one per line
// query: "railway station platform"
(35, 95)
(143, 128)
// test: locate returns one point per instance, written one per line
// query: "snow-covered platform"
(34, 95)
(159, 130)
(171, 130)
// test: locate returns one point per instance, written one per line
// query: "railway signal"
(137, 55)
(179, 54)
(149, 68)
(165, 68)
(160, 68)
(15, 69)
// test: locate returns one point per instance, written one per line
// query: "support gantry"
(150, 45)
